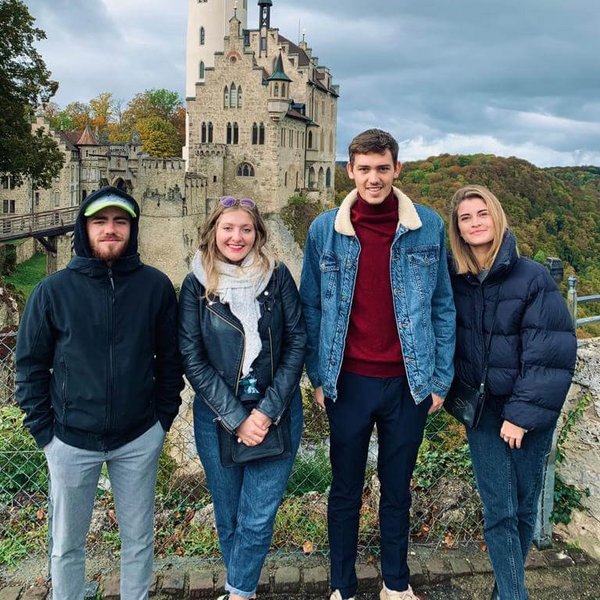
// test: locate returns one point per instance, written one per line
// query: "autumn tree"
(159, 137)
(25, 84)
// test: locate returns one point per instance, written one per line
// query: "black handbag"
(276, 445)
(464, 402)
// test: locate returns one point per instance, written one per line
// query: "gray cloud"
(514, 77)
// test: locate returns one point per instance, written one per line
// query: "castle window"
(276, 89)
(245, 170)
(261, 134)
(239, 98)
(254, 134)
(322, 143)
(201, 70)
(236, 134)
(56, 198)
(310, 139)
(285, 179)
(203, 133)
(233, 96)
(226, 97)
(202, 36)
(283, 90)
(210, 132)
(229, 132)
(328, 178)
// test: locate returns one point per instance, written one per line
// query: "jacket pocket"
(423, 262)
(330, 270)
(63, 390)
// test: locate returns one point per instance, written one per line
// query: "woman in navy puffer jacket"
(531, 362)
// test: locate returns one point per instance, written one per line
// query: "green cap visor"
(107, 201)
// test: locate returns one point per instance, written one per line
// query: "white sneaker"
(407, 594)
(336, 595)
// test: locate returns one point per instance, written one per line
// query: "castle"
(261, 122)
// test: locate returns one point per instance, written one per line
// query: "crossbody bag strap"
(488, 345)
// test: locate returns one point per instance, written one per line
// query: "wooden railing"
(49, 222)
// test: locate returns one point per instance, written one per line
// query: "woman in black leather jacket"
(531, 362)
(242, 338)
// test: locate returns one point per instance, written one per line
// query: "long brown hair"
(210, 253)
(464, 259)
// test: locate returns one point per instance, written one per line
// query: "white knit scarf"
(239, 286)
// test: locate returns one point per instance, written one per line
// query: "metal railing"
(573, 300)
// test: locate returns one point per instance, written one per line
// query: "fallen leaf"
(307, 547)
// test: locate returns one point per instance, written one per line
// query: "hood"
(80, 237)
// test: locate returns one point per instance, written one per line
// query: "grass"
(28, 274)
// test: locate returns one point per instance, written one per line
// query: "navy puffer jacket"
(533, 347)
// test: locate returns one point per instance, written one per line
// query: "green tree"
(25, 84)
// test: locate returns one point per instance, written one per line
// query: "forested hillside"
(554, 212)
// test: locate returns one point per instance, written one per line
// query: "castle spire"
(264, 21)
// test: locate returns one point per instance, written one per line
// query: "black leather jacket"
(212, 345)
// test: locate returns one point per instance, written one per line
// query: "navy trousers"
(362, 403)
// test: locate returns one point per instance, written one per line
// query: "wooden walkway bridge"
(39, 225)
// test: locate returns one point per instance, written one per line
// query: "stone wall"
(581, 465)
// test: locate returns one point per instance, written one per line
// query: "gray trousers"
(74, 475)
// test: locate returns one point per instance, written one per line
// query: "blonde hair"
(210, 253)
(464, 259)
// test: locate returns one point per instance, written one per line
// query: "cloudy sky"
(511, 77)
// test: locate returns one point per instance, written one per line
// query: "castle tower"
(264, 24)
(208, 24)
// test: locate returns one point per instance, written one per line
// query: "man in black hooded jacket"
(99, 378)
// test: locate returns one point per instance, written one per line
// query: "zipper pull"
(112, 283)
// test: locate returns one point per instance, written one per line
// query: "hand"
(436, 403)
(320, 397)
(251, 432)
(261, 419)
(512, 434)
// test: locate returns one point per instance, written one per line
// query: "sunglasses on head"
(230, 201)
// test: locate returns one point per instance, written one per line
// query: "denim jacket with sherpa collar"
(422, 295)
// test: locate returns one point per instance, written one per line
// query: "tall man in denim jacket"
(381, 329)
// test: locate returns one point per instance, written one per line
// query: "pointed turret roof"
(279, 73)
(87, 137)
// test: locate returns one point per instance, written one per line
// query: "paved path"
(555, 574)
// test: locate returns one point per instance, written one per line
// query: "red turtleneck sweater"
(372, 344)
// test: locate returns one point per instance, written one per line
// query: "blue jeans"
(74, 475)
(245, 499)
(363, 402)
(509, 483)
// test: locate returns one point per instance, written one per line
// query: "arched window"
(254, 134)
(233, 96)
(202, 36)
(283, 90)
(203, 132)
(236, 133)
(261, 134)
(310, 139)
(201, 70)
(245, 170)
(225, 97)
(328, 178)
(228, 134)
(210, 132)
(276, 90)
(239, 98)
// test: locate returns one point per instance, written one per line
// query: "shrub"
(22, 463)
